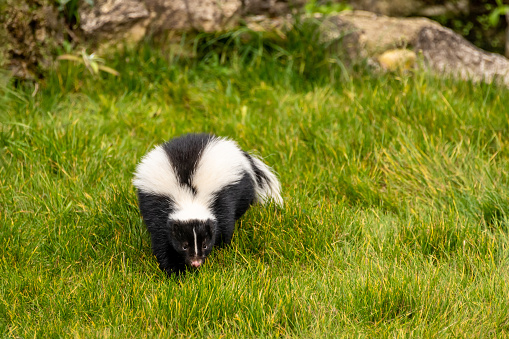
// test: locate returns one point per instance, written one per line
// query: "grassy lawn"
(396, 194)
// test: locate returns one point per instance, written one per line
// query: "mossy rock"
(33, 30)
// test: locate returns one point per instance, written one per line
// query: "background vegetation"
(396, 189)
(35, 32)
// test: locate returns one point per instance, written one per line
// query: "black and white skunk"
(192, 189)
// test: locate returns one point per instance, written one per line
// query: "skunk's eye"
(204, 246)
(184, 247)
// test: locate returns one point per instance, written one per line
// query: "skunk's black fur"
(192, 189)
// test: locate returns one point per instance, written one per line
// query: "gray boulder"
(442, 50)
(133, 19)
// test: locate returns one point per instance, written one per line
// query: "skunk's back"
(190, 169)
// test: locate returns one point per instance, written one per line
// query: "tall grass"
(395, 186)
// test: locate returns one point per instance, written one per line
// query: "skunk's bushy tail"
(267, 186)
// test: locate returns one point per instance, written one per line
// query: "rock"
(379, 33)
(132, 19)
(118, 19)
(447, 52)
(343, 38)
(30, 34)
(111, 16)
(270, 8)
(443, 50)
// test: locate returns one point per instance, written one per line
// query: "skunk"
(192, 189)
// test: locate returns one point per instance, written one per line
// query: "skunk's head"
(192, 239)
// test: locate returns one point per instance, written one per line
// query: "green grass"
(396, 194)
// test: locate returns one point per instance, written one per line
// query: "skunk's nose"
(196, 263)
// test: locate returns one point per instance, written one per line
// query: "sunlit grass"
(395, 186)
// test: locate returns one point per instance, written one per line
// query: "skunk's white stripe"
(195, 243)
(156, 175)
(222, 163)
(192, 209)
